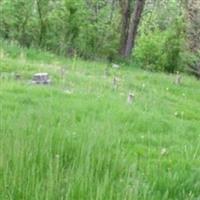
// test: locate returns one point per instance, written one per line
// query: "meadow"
(79, 139)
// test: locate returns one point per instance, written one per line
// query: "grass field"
(79, 139)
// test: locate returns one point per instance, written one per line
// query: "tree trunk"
(130, 23)
(193, 14)
(126, 12)
(193, 31)
(134, 23)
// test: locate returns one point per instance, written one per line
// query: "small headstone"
(130, 98)
(22, 57)
(62, 72)
(178, 79)
(115, 83)
(17, 76)
(116, 66)
(41, 78)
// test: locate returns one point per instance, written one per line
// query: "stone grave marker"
(41, 78)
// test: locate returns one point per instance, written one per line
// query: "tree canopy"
(161, 33)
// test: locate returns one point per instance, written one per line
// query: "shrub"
(161, 50)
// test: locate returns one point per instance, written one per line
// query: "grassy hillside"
(79, 139)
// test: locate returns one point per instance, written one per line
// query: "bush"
(162, 50)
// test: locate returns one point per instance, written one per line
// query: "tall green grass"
(78, 139)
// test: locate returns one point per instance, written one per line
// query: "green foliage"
(161, 44)
(161, 49)
(90, 29)
(149, 50)
(62, 26)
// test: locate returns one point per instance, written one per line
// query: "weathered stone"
(17, 76)
(178, 79)
(116, 66)
(130, 98)
(62, 72)
(116, 81)
(41, 78)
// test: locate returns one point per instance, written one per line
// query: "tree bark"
(193, 15)
(134, 23)
(193, 32)
(130, 23)
(126, 12)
